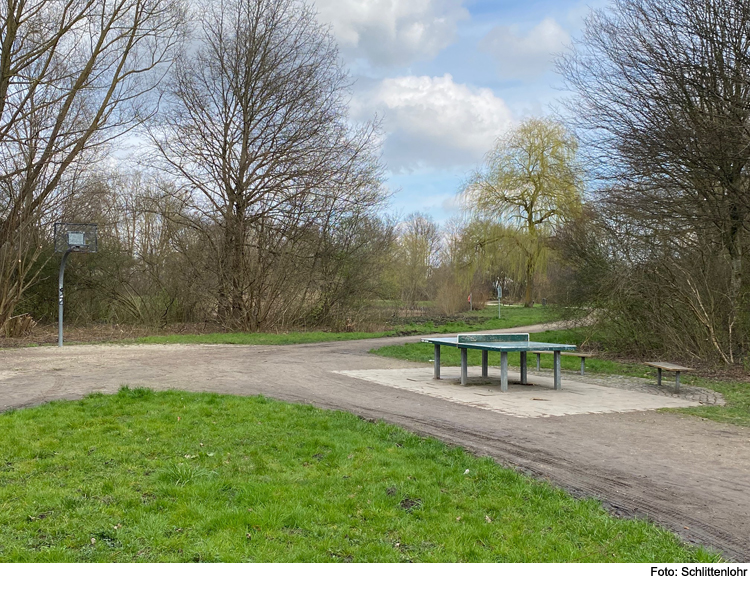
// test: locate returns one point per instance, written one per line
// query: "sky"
(448, 77)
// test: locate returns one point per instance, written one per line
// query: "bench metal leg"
(538, 361)
(524, 379)
(464, 366)
(436, 372)
(658, 376)
(558, 381)
(583, 365)
(503, 371)
(677, 381)
(484, 364)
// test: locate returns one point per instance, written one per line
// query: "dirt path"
(687, 474)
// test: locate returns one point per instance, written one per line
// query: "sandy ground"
(687, 474)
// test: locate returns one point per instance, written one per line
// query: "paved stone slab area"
(537, 399)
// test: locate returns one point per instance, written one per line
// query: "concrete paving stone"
(537, 399)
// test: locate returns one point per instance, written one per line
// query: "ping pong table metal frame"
(502, 343)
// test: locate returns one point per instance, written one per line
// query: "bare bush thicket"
(415, 258)
(139, 274)
(450, 298)
(152, 270)
(650, 297)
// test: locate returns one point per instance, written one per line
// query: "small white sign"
(76, 239)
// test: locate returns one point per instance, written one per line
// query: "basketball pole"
(70, 238)
(60, 298)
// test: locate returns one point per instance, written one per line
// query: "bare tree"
(256, 133)
(74, 74)
(662, 98)
(417, 249)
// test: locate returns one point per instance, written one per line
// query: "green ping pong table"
(502, 343)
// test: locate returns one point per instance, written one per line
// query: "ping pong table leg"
(464, 366)
(524, 379)
(436, 373)
(558, 381)
(538, 361)
(484, 364)
(503, 371)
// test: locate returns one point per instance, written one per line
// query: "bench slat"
(667, 366)
(567, 353)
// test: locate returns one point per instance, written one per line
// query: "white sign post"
(499, 289)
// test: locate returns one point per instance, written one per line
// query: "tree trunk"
(233, 310)
(531, 255)
(16, 256)
(527, 301)
(735, 285)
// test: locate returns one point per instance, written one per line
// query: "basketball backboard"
(75, 237)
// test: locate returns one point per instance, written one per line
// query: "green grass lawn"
(737, 397)
(471, 321)
(736, 394)
(175, 476)
(262, 338)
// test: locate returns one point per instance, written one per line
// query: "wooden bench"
(660, 365)
(583, 357)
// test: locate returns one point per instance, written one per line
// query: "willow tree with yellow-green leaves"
(530, 182)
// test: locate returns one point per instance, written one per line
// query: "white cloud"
(434, 122)
(392, 32)
(526, 56)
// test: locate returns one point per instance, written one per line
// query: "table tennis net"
(518, 337)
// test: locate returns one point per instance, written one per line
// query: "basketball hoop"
(75, 237)
(71, 238)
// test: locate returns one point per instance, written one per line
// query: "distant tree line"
(254, 203)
